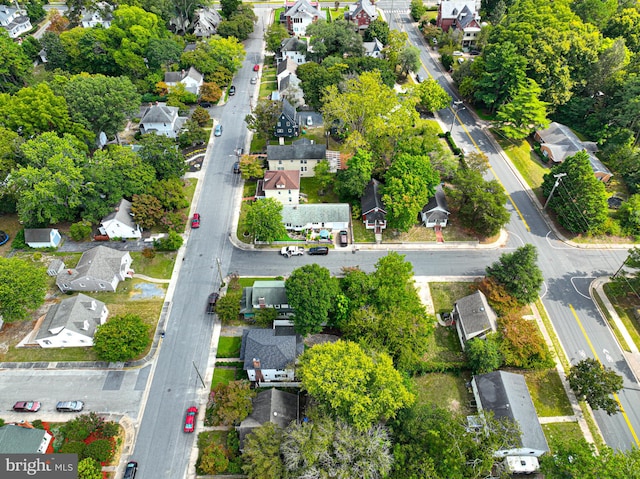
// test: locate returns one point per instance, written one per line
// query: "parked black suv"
(205, 104)
(319, 250)
(232, 90)
(211, 303)
(344, 238)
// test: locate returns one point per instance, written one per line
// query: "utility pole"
(219, 272)
(555, 185)
(198, 373)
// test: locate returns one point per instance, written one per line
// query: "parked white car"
(290, 251)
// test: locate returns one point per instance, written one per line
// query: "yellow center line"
(595, 355)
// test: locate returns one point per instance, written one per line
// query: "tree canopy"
(122, 338)
(357, 387)
(519, 273)
(595, 383)
(311, 292)
(264, 220)
(22, 288)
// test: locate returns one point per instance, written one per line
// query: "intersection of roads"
(154, 397)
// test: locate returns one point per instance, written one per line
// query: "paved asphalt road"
(567, 270)
(162, 449)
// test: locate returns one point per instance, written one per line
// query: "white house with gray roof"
(100, 14)
(120, 223)
(192, 79)
(265, 294)
(558, 142)
(316, 216)
(42, 237)
(205, 22)
(302, 155)
(506, 395)
(269, 357)
(72, 322)
(294, 49)
(473, 317)
(14, 20)
(436, 211)
(373, 49)
(23, 439)
(299, 16)
(162, 120)
(99, 269)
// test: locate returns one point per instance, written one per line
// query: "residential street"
(154, 397)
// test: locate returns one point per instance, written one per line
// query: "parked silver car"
(69, 406)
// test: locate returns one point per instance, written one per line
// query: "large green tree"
(352, 181)
(480, 203)
(274, 35)
(92, 101)
(519, 273)
(524, 113)
(580, 200)
(484, 355)
(162, 153)
(337, 449)
(333, 38)
(22, 288)
(262, 120)
(15, 66)
(122, 338)
(409, 183)
(311, 292)
(595, 383)
(264, 220)
(432, 96)
(431, 441)
(357, 387)
(379, 29)
(261, 453)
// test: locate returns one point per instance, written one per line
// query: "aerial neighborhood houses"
(361, 13)
(120, 223)
(265, 294)
(288, 82)
(281, 185)
(435, 214)
(71, 323)
(299, 15)
(293, 48)
(558, 142)
(319, 219)
(99, 269)
(302, 155)
(461, 16)
(473, 318)
(205, 22)
(373, 49)
(14, 20)
(99, 14)
(162, 120)
(24, 438)
(269, 357)
(374, 213)
(288, 123)
(192, 79)
(42, 237)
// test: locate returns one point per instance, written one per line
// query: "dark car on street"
(232, 90)
(205, 104)
(319, 250)
(130, 470)
(344, 238)
(211, 303)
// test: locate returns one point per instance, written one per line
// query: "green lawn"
(336, 14)
(311, 188)
(444, 295)
(222, 375)
(229, 347)
(547, 393)
(443, 348)
(245, 282)
(361, 234)
(443, 390)
(561, 432)
(625, 307)
(526, 161)
(160, 266)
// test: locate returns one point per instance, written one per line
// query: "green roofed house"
(265, 294)
(23, 439)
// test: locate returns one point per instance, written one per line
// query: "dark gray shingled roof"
(274, 352)
(272, 405)
(298, 150)
(475, 314)
(372, 199)
(73, 314)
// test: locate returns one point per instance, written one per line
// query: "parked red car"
(256, 67)
(190, 419)
(195, 222)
